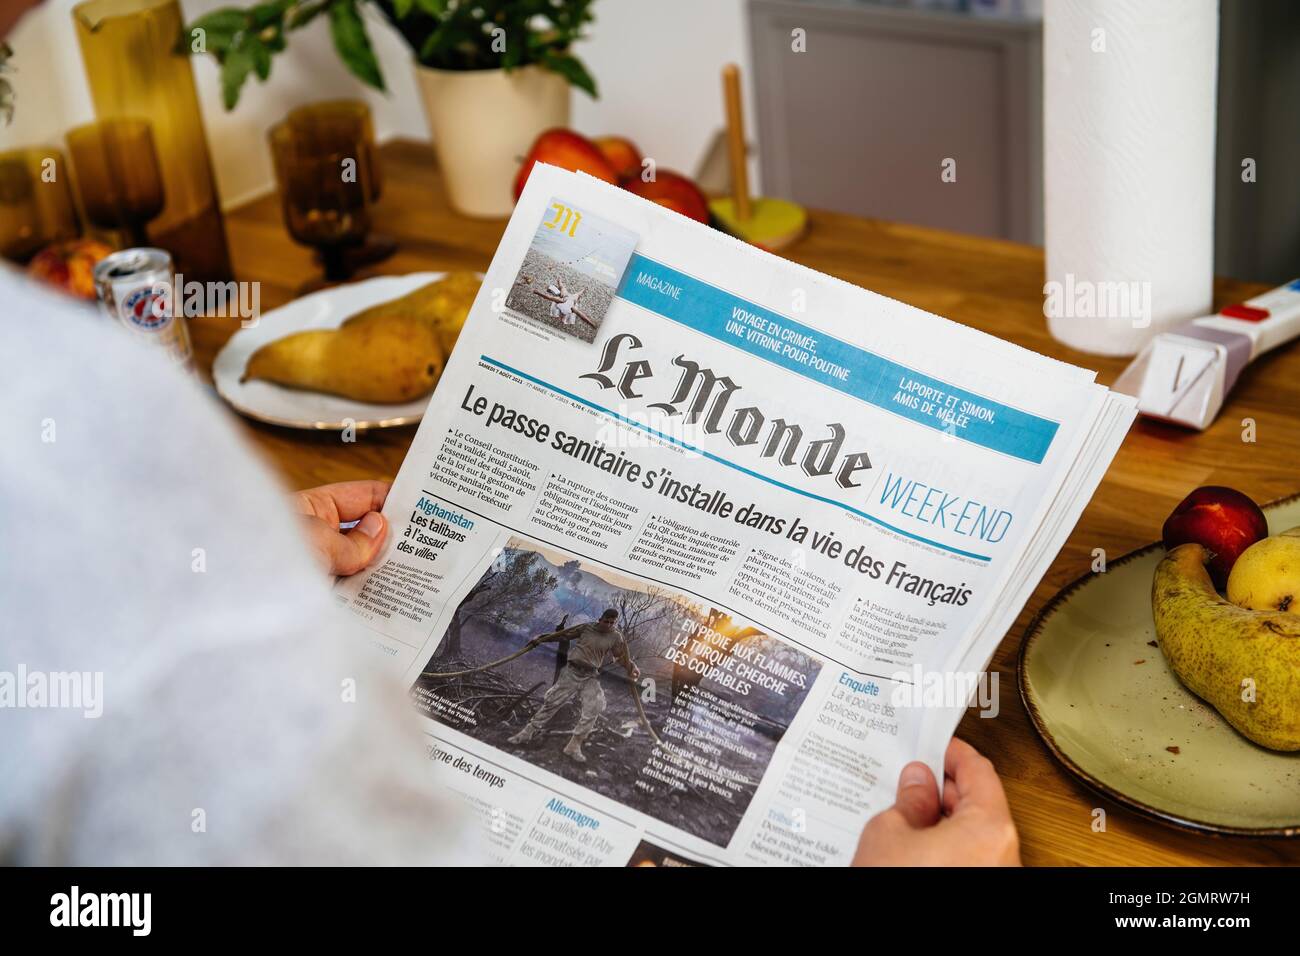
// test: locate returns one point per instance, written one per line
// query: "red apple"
(69, 266)
(1222, 520)
(568, 150)
(624, 158)
(674, 191)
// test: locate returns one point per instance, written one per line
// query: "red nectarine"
(623, 157)
(674, 191)
(568, 150)
(1221, 520)
(69, 266)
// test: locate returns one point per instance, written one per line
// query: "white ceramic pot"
(483, 122)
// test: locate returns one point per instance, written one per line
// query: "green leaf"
(6, 101)
(436, 42)
(402, 8)
(234, 71)
(266, 14)
(220, 27)
(516, 47)
(302, 14)
(226, 20)
(259, 54)
(434, 8)
(571, 68)
(352, 43)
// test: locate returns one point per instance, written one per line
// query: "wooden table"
(991, 285)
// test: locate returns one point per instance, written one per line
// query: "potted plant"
(492, 74)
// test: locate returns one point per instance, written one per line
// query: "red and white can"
(135, 290)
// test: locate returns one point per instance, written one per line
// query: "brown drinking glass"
(118, 177)
(36, 205)
(324, 181)
(329, 120)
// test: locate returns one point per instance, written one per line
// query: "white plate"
(296, 408)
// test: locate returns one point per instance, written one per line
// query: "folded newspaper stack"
(696, 547)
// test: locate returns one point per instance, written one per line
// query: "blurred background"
(855, 128)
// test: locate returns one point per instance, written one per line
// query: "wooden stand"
(770, 223)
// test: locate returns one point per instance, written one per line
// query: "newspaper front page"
(696, 547)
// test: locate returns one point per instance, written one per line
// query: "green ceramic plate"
(1109, 708)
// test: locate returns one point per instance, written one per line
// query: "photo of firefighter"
(651, 855)
(639, 693)
(589, 646)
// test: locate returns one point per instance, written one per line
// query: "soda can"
(135, 290)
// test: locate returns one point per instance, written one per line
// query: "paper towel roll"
(1128, 167)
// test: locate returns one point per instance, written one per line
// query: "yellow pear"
(443, 303)
(1245, 663)
(394, 358)
(451, 305)
(1266, 577)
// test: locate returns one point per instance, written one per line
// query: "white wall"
(657, 66)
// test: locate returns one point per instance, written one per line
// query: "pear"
(443, 303)
(1266, 577)
(1245, 663)
(393, 358)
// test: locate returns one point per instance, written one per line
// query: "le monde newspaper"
(695, 547)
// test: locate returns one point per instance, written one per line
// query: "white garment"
(564, 311)
(225, 737)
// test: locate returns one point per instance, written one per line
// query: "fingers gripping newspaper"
(696, 547)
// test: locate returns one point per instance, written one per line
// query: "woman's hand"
(326, 507)
(970, 826)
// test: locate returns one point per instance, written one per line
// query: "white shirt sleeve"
(243, 719)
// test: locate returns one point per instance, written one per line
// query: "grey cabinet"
(864, 119)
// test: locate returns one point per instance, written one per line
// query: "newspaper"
(695, 547)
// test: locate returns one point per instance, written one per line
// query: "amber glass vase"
(135, 73)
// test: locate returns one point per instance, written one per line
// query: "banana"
(1245, 663)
